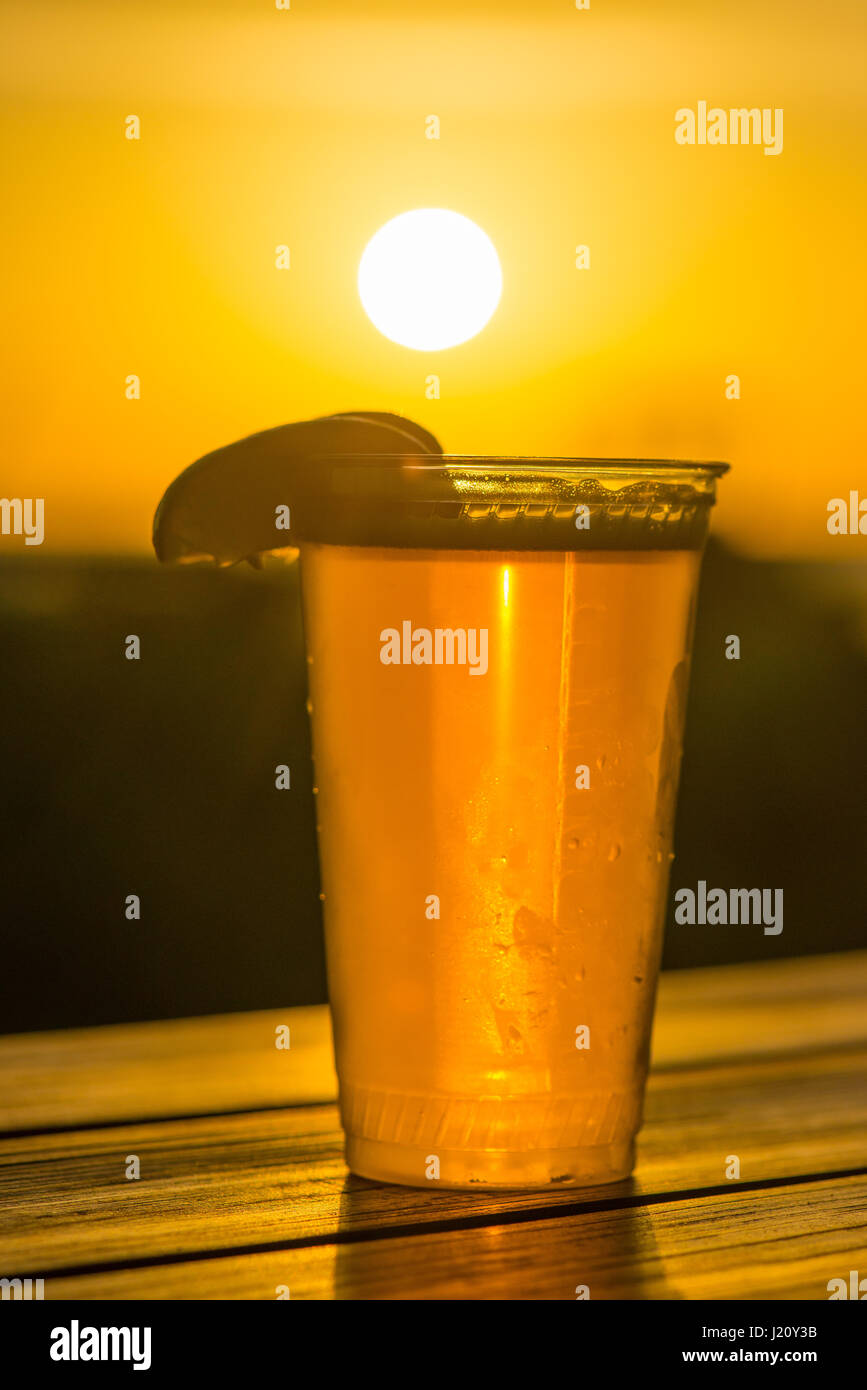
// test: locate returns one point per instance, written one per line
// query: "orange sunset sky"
(307, 127)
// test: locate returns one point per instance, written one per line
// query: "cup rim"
(710, 467)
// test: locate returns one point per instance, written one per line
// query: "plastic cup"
(498, 655)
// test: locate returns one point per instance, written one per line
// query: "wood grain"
(759, 1245)
(243, 1185)
(196, 1066)
(187, 1066)
(237, 1180)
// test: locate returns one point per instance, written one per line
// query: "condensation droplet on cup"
(613, 853)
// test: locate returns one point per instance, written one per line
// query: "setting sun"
(430, 279)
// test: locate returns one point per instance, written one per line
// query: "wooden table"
(243, 1192)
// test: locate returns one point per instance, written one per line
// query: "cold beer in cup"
(498, 656)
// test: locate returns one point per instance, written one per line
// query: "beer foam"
(512, 504)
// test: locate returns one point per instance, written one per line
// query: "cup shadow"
(412, 1243)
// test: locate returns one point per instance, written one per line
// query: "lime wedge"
(234, 503)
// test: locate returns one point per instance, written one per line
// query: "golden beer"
(495, 812)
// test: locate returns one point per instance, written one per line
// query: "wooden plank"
(784, 1243)
(187, 1066)
(229, 1062)
(786, 1006)
(228, 1182)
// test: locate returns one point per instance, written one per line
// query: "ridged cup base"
(412, 1166)
(425, 1140)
